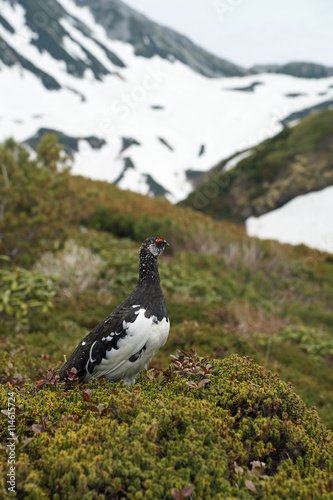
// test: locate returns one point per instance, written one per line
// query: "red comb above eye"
(159, 239)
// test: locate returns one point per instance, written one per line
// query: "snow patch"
(306, 219)
(73, 48)
(236, 159)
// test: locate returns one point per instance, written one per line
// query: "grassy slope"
(238, 301)
(226, 294)
(294, 162)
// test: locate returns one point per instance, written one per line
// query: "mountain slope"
(150, 39)
(61, 71)
(51, 24)
(49, 27)
(298, 69)
(296, 161)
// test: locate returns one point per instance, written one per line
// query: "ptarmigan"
(125, 342)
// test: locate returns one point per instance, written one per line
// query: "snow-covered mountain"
(134, 102)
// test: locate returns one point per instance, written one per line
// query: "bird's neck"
(148, 269)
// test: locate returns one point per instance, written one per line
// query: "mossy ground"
(245, 430)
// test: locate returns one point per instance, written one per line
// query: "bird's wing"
(114, 341)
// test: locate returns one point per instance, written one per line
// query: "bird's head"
(153, 245)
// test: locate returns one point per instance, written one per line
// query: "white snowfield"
(307, 219)
(192, 110)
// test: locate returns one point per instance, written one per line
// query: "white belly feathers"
(144, 337)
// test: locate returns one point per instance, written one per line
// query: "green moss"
(162, 434)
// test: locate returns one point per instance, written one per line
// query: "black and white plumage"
(125, 342)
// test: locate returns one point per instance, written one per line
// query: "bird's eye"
(159, 240)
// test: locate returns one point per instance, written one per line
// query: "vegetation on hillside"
(294, 162)
(215, 424)
(35, 199)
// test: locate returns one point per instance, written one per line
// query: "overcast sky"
(249, 32)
